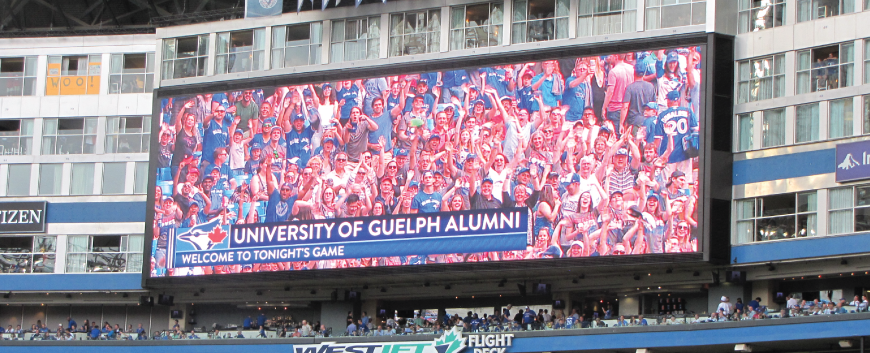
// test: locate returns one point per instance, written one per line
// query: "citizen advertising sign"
(853, 161)
(450, 342)
(22, 217)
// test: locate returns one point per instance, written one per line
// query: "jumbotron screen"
(555, 159)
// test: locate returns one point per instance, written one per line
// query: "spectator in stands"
(560, 324)
(305, 329)
(324, 332)
(247, 323)
(621, 321)
(262, 333)
(71, 324)
(239, 334)
(641, 321)
(95, 333)
(192, 335)
(156, 335)
(351, 329)
(724, 305)
(261, 320)
(738, 306)
(140, 333)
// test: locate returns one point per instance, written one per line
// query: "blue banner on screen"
(263, 8)
(213, 244)
(515, 162)
(853, 161)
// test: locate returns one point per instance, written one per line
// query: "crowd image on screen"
(602, 150)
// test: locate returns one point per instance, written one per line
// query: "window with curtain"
(104, 253)
(675, 13)
(757, 15)
(355, 39)
(114, 176)
(776, 217)
(825, 68)
(840, 118)
(18, 180)
(50, 177)
(745, 132)
(840, 210)
(297, 45)
(476, 25)
(539, 20)
(69, 136)
(417, 32)
(16, 137)
(27, 254)
(240, 51)
(598, 17)
(185, 56)
(761, 78)
(808, 10)
(140, 177)
(806, 123)
(82, 181)
(773, 128)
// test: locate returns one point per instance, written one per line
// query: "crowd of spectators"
(521, 320)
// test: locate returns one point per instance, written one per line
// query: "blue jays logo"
(205, 236)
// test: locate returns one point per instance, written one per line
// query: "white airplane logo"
(848, 163)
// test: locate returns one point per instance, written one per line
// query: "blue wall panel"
(800, 248)
(96, 212)
(71, 282)
(786, 166)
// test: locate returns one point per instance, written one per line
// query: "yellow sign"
(55, 84)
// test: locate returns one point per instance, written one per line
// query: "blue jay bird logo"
(205, 236)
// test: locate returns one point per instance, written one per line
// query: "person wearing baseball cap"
(623, 175)
(298, 135)
(484, 199)
(276, 149)
(427, 200)
(281, 198)
(671, 80)
(575, 250)
(253, 162)
(639, 93)
(680, 124)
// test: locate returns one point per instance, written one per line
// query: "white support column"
(821, 212)
(129, 178)
(573, 9)
(98, 178)
(158, 63)
(757, 123)
(4, 178)
(857, 116)
(66, 172)
(790, 123)
(60, 254)
(326, 42)
(790, 69)
(641, 15)
(34, 179)
(212, 50)
(41, 74)
(823, 120)
(101, 137)
(445, 29)
(105, 66)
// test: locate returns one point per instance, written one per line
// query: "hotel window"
(297, 45)
(73, 75)
(18, 76)
(825, 68)
(114, 178)
(131, 73)
(184, 57)
(598, 17)
(756, 15)
(806, 123)
(849, 209)
(50, 178)
(675, 13)
(840, 118)
(18, 180)
(140, 178)
(128, 134)
(104, 253)
(355, 39)
(773, 128)
(240, 51)
(16, 137)
(476, 25)
(416, 32)
(69, 136)
(539, 20)
(761, 78)
(775, 217)
(28, 254)
(808, 10)
(82, 181)
(745, 132)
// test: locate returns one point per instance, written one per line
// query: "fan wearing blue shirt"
(427, 200)
(298, 138)
(349, 93)
(675, 119)
(216, 134)
(578, 94)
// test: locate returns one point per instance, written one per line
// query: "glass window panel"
(807, 123)
(807, 202)
(862, 195)
(18, 182)
(773, 128)
(746, 132)
(76, 263)
(106, 243)
(82, 181)
(44, 244)
(774, 205)
(862, 219)
(114, 176)
(776, 228)
(840, 118)
(746, 209)
(78, 243)
(16, 244)
(50, 176)
(140, 185)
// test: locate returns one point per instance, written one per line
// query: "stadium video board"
(575, 157)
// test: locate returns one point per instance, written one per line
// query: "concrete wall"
(333, 314)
